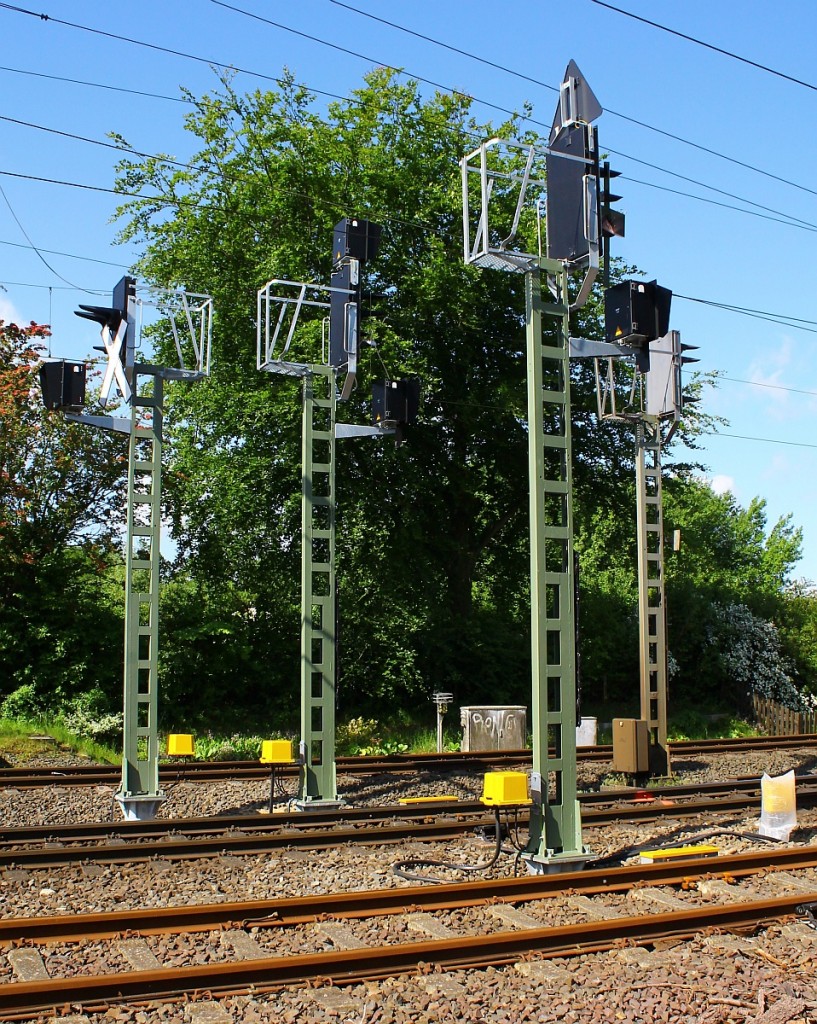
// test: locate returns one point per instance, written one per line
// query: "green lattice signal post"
(555, 831)
(139, 795)
(318, 611)
(141, 387)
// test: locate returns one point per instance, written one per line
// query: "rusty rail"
(247, 770)
(287, 911)
(200, 826)
(436, 825)
(343, 967)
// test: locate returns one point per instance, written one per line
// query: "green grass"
(16, 739)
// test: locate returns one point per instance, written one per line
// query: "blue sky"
(754, 251)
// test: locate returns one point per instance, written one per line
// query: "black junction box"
(636, 310)
(395, 401)
(357, 238)
(63, 384)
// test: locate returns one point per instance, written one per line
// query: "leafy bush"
(364, 737)
(23, 705)
(228, 748)
(749, 652)
(89, 715)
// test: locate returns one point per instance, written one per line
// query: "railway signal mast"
(139, 386)
(280, 304)
(637, 314)
(575, 238)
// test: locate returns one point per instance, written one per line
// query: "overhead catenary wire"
(28, 238)
(229, 66)
(708, 46)
(545, 85)
(97, 85)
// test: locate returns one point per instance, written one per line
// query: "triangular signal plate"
(584, 105)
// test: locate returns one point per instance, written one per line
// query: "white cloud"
(721, 484)
(9, 313)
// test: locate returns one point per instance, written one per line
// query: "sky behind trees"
(744, 241)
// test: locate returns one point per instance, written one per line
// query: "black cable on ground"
(617, 859)
(400, 869)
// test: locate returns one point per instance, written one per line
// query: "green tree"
(432, 538)
(60, 505)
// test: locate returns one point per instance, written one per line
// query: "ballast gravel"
(767, 978)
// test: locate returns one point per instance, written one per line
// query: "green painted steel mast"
(555, 829)
(141, 387)
(318, 610)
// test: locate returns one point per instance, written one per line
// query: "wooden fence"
(776, 720)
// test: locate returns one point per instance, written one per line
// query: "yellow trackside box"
(276, 752)
(179, 745)
(678, 853)
(505, 789)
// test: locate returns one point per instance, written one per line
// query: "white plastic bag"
(778, 806)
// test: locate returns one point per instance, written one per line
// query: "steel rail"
(219, 770)
(267, 837)
(342, 967)
(288, 911)
(622, 798)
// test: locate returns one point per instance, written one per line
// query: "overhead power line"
(785, 218)
(68, 255)
(503, 110)
(763, 384)
(764, 440)
(28, 238)
(546, 85)
(96, 85)
(708, 46)
(796, 323)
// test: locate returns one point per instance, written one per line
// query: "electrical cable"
(34, 247)
(437, 85)
(764, 440)
(618, 858)
(708, 46)
(790, 221)
(402, 868)
(97, 142)
(97, 85)
(68, 255)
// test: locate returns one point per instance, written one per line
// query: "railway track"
(474, 924)
(238, 770)
(123, 842)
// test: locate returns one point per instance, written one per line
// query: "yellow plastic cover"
(679, 852)
(180, 745)
(276, 752)
(505, 789)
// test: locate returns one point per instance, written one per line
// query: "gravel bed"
(711, 979)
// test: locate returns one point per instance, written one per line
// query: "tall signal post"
(141, 387)
(655, 406)
(575, 236)
(280, 304)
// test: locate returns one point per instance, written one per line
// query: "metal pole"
(651, 597)
(555, 829)
(318, 637)
(139, 794)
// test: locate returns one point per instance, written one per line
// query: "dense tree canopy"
(432, 536)
(61, 491)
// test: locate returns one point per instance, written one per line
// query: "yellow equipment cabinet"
(276, 752)
(179, 745)
(505, 789)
